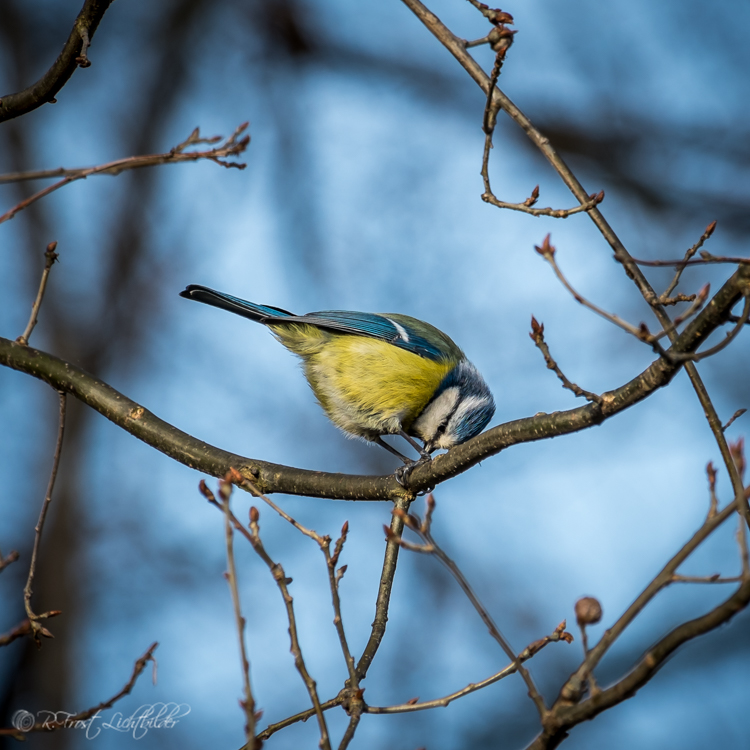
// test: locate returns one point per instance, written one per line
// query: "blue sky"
(362, 192)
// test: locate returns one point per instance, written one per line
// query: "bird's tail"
(258, 313)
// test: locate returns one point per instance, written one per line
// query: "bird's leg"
(422, 452)
(392, 450)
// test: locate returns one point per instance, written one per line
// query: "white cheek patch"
(428, 422)
(468, 404)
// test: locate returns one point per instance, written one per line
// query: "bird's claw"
(403, 473)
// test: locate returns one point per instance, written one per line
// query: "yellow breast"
(367, 387)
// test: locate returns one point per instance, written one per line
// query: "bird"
(378, 374)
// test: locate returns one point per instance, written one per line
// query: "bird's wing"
(397, 332)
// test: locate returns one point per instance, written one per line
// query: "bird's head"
(460, 409)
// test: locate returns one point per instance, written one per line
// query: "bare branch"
(248, 704)
(353, 703)
(73, 55)
(71, 720)
(734, 416)
(573, 688)
(301, 716)
(556, 213)
(11, 558)
(525, 655)
(232, 146)
(431, 547)
(565, 715)
(50, 256)
(715, 578)
(27, 591)
(547, 251)
(691, 251)
(537, 336)
(386, 584)
(282, 582)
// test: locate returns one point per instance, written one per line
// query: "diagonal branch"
(73, 55)
(269, 477)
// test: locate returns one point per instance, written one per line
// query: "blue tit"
(378, 374)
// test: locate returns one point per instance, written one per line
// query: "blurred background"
(362, 192)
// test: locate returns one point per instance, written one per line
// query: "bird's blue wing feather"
(375, 326)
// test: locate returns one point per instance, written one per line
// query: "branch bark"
(72, 56)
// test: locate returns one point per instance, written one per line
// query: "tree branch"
(73, 55)
(269, 478)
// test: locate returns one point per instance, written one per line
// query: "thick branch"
(268, 477)
(73, 55)
(564, 717)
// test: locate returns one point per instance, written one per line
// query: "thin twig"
(556, 213)
(277, 571)
(282, 582)
(704, 260)
(11, 558)
(73, 719)
(729, 337)
(384, 589)
(22, 629)
(246, 484)
(537, 336)
(697, 301)
(547, 251)
(27, 591)
(232, 146)
(301, 716)
(715, 578)
(50, 256)
(248, 704)
(559, 634)
(691, 251)
(734, 416)
(422, 529)
(353, 703)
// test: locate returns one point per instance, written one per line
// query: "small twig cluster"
(227, 148)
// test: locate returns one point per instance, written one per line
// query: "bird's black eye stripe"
(443, 426)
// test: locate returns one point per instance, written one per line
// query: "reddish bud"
(710, 229)
(412, 701)
(497, 16)
(703, 294)
(711, 471)
(537, 328)
(254, 514)
(345, 528)
(737, 449)
(533, 198)
(546, 249)
(588, 611)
